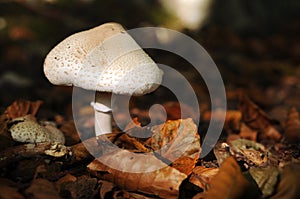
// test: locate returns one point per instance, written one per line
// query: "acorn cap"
(104, 58)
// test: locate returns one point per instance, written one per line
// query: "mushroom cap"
(104, 58)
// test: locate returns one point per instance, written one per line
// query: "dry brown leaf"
(131, 143)
(201, 176)
(265, 178)
(184, 164)
(82, 187)
(257, 119)
(122, 194)
(70, 132)
(289, 184)
(42, 189)
(164, 182)
(67, 178)
(292, 126)
(229, 183)
(232, 118)
(105, 187)
(248, 133)
(221, 151)
(176, 138)
(9, 190)
(20, 108)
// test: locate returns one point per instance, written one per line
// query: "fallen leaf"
(20, 108)
(83, 187)
(222, 152)
(42, 189)
(105, 188)
(9, 189)
(163, 182)
(265, 178)
(232, 118)
(201, 176)
(184, 164)
(176, 138)
(292, 126)
(229, 183)
(289, 184)
(122, 194)
(70, 132)
(248, 133)
(257, 119)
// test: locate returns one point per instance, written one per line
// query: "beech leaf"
(163, 182)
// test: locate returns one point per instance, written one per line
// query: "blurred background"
(255, 44)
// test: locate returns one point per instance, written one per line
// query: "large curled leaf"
(229, 183)
(163, 182)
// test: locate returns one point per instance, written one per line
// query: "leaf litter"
(254, 160)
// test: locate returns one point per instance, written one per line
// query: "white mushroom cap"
(104, 58)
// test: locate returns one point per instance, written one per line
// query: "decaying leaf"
(248, 133)
(20, 108)
(221, 151)
(70, 132)
(251, 152)
(105, 187)
(129, 195)
(9, 189)
(232, 118)
(201, 176)
(184, 164)
(257, 119)
(265, 178)
(292, 126)
(163, 182)
(176, 138)
(229, 183)
(42, 189)
(289, 184)
(83, 187)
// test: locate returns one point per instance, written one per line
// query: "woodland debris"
(257, 119)
(229, 183)
(42, 189)
(292, 126)
(20, 108)
(289, 184)
(201, 176)
(266, 179)
(163, 182)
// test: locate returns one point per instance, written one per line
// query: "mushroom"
(105, 59)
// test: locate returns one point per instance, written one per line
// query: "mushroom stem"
(102, 107)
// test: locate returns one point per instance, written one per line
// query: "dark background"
(255, 44)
